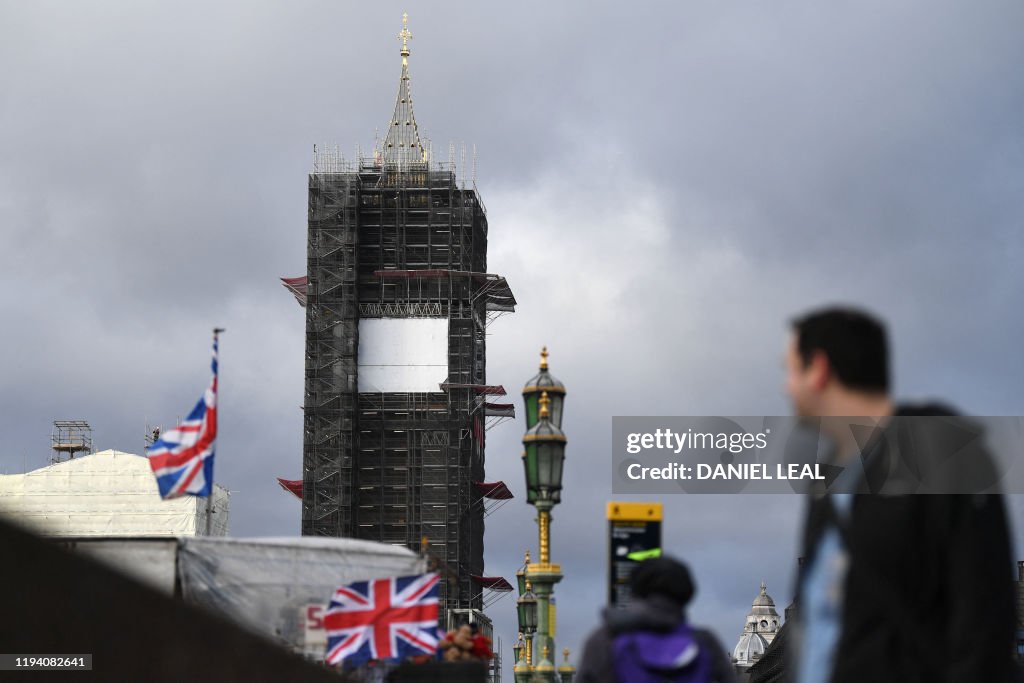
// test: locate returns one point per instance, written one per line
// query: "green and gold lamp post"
(518, 648)
(543, 459)
(526, 611)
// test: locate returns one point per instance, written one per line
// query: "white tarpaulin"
(109, 493)
(269, 585)
(278, 587)
(402, 354)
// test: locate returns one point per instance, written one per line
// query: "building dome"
(759, 630)
(749, 649)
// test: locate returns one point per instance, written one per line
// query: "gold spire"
(404, 36)
(528, 585)
(544, 358)
(565, 654)
(527, 555)
(402, 144)
(544, 403)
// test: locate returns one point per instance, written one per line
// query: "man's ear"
(820, 371)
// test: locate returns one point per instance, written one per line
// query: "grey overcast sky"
(666, 184)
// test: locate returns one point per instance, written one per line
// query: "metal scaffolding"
(398, 241)
(68, 438)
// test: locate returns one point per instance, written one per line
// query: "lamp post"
(518, 648)
(543, 459)
(521, 574)
(526, 611)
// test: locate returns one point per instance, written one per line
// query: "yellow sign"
(634, 512)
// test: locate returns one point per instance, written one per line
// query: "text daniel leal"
(747, 471)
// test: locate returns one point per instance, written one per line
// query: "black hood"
(653, 613)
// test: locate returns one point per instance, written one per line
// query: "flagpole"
(209, 498)
(209, 510)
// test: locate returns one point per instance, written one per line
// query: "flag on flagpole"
(182, 458)
(391, 618)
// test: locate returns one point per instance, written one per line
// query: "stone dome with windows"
(760, 628)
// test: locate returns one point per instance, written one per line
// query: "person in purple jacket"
(650, 640)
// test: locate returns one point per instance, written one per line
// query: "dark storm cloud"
(667, 184)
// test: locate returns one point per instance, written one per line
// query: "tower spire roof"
(402, 143)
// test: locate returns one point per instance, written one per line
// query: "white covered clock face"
(402, 354)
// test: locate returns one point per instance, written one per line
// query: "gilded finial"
(547, 651)
(404, 36)
(544, 403)
(528, 585)
(527, 556)
(544, 358)
(565, 655)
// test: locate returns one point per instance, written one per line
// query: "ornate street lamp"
(517, 649)
(521, 574)
(543, 460)
(526, 608)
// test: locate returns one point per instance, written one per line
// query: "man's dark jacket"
(929, 593)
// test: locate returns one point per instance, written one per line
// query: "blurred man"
(895, 588)
(650, 639)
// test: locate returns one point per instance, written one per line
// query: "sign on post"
(634, 535)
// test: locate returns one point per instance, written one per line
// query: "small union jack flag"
(390, 619)
(182, 458)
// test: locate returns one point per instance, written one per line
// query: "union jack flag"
(390, 618)
(182, 458)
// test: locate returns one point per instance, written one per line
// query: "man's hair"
(665, 576)
(854, 343)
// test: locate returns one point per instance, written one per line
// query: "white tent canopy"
(275, 586)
